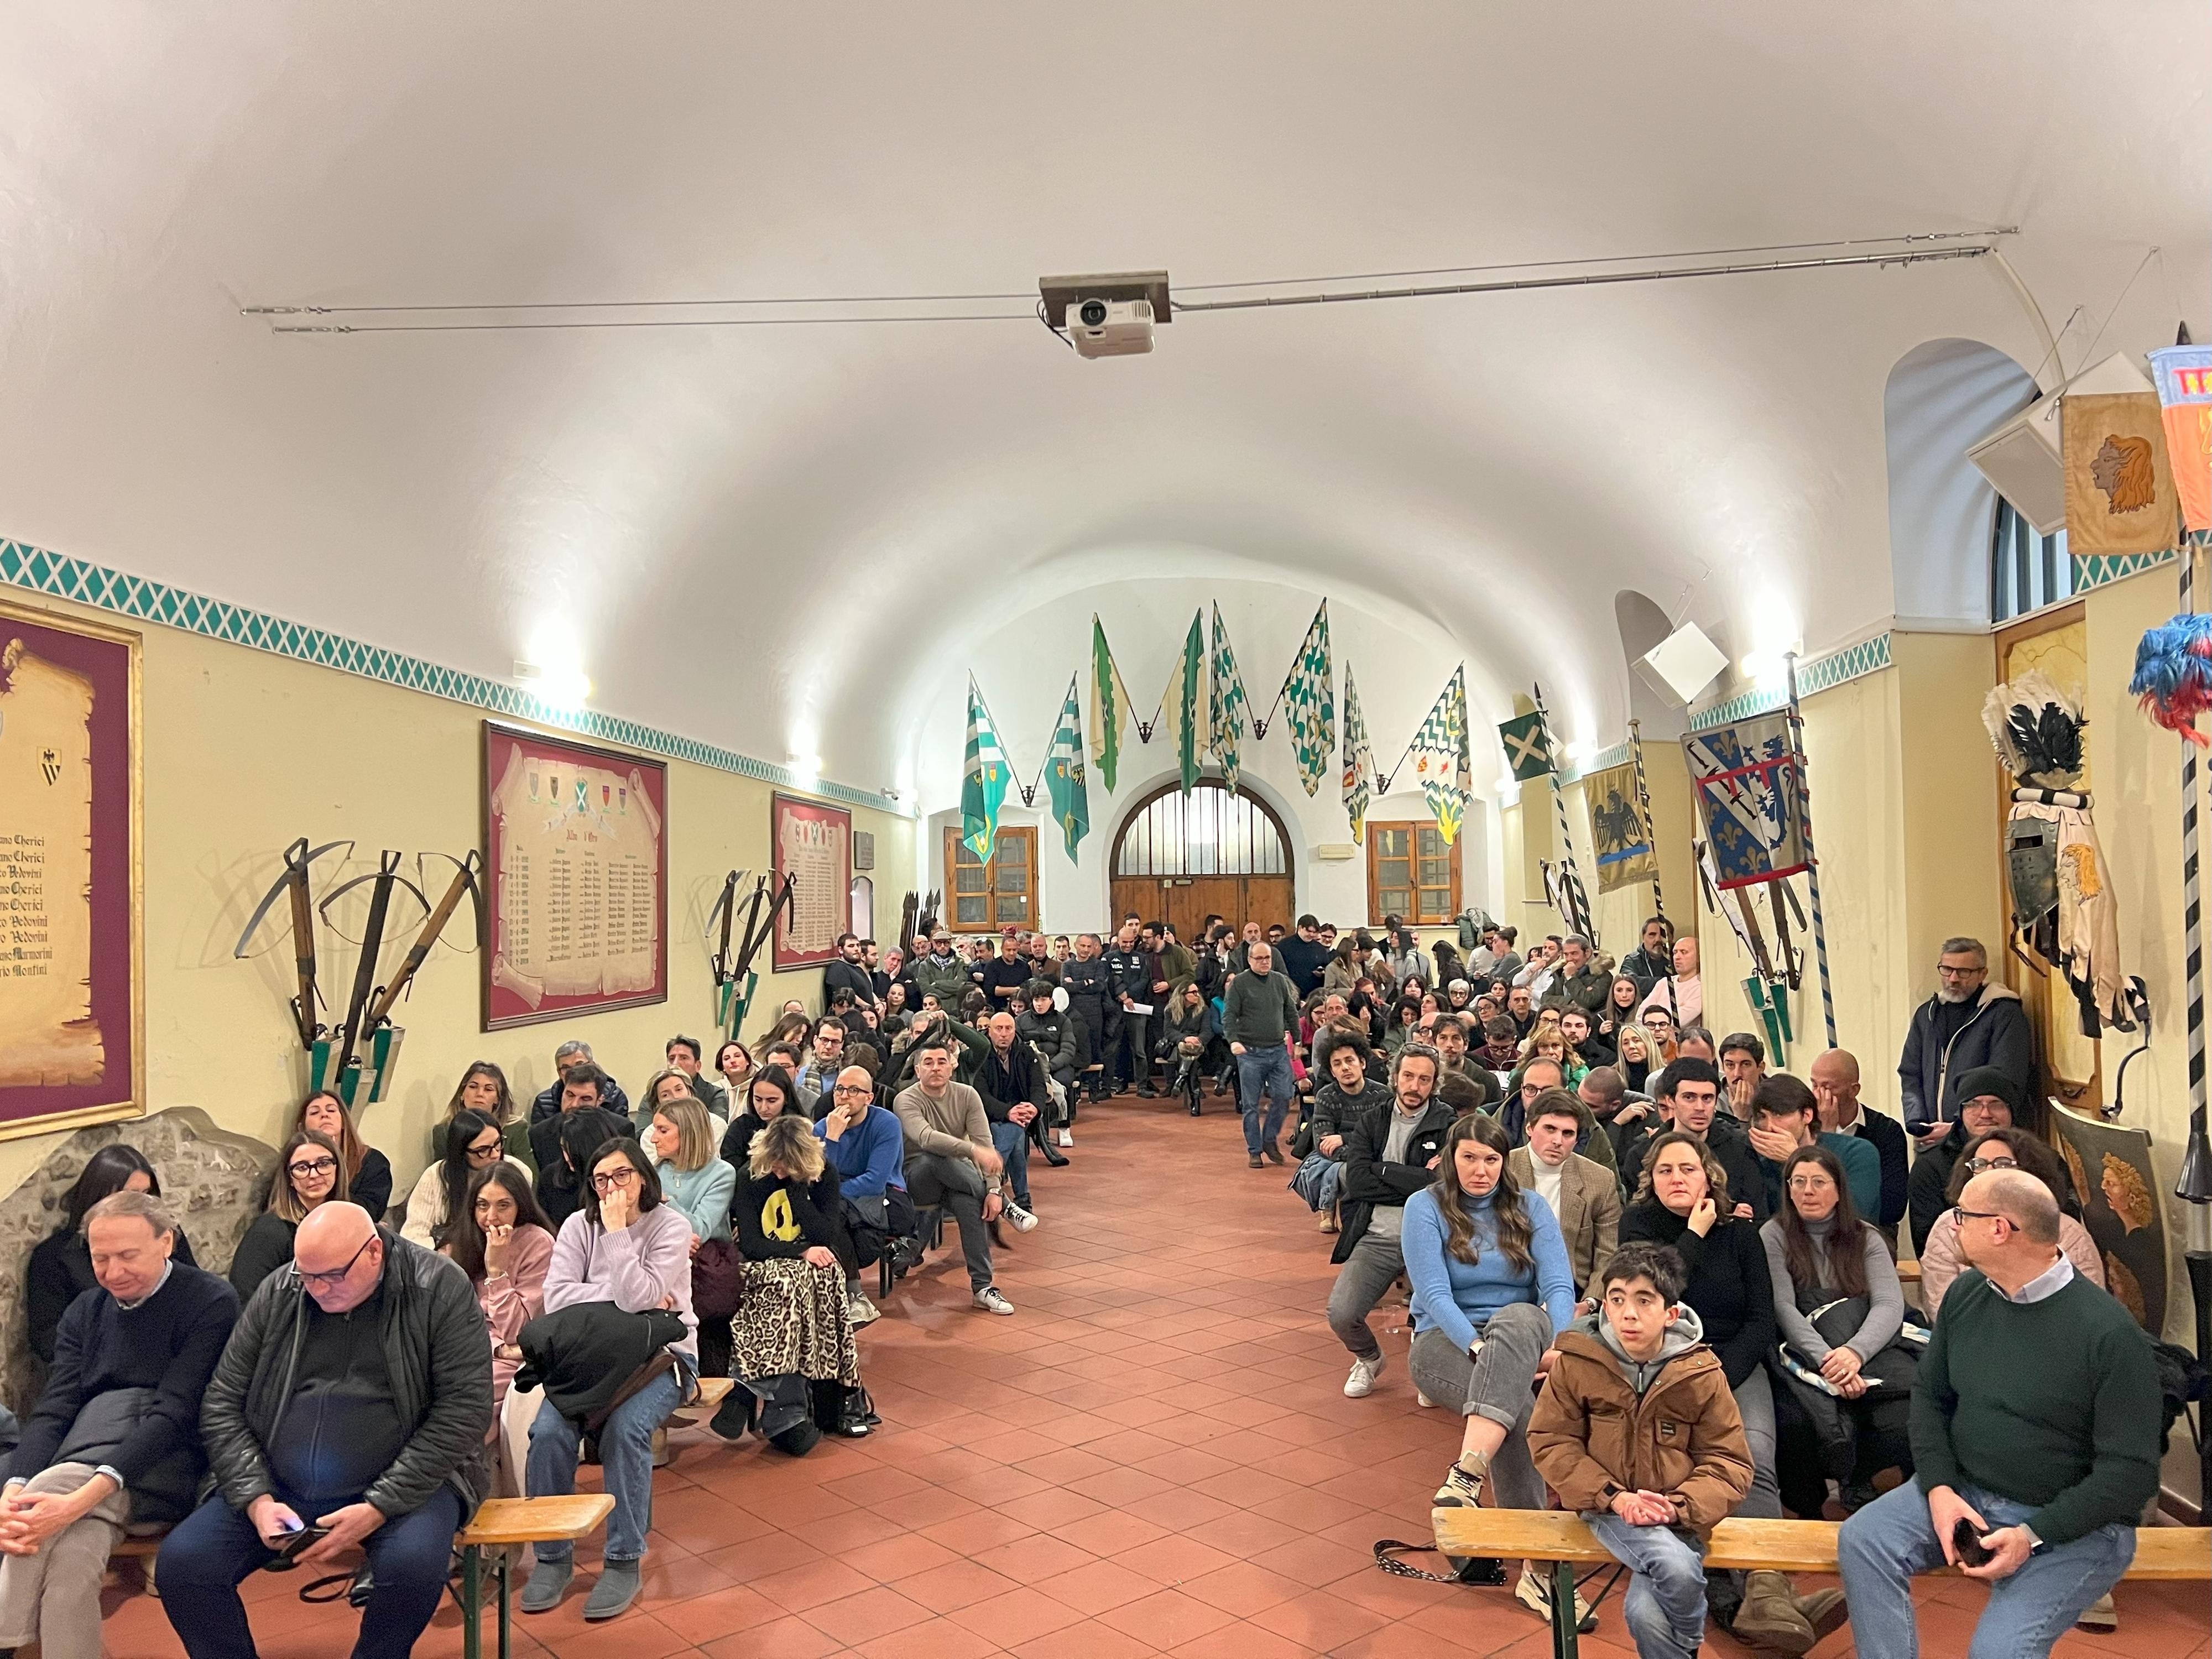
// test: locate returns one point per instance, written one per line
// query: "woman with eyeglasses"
(1840, 1308)
(626, 1247)
(61, 1263)
(473, 1142)
(484, 1088)
(368, 1172)
(309, 1171)
(1940, 1259)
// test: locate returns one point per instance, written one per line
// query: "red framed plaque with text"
(575, 878)
(813, 843)
(72, 950)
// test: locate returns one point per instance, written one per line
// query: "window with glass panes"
(983, 897)
(1412, 872)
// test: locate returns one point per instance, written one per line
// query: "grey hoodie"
(1684, 1334)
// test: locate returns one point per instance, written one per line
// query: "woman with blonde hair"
(484, 1088)
(792, 1346)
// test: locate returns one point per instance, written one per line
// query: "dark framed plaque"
(576, 878)
(813, 843)
(72, 942)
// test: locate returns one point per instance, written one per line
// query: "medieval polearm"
(1577, 911)
(1643, 805)
(1811, 860)
(294, 884)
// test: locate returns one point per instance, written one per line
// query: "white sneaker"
(860, 1311)
(1022, 1221)
(1361, 1382)
(990, 1301)
(1067, 1138)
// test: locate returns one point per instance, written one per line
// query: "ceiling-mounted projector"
(2024, 458)
(1682, 664)
(1108, 316)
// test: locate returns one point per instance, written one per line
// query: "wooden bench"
(1559, 1537)
(502, 1522)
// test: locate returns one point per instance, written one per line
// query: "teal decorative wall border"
(1821, 674)
(2097, 569)
(62, 578)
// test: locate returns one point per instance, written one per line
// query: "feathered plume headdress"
(2174, 674)
(2036, 729)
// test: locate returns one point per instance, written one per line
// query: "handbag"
(718, 1280)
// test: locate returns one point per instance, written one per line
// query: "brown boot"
(1769, 1616)
(1824, 1610)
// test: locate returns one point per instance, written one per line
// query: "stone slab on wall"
(216, 1181)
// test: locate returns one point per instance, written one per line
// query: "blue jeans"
(208, 1555)
(625, 1465)
(1011, 1142)
(1264, 1074)
(1884, 1544)
(1665, 1606)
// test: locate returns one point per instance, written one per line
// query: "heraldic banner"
(1744, 778)
(1625, 855)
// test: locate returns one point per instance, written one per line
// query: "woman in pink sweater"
(505, 1245)
(2002, 1149)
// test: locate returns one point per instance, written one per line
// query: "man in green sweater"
(1258, 1012)
(2035, 1421)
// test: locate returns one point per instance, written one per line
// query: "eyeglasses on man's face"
(851, 1091)
(331, 1281)
(607, 1180)
(1961, 1215)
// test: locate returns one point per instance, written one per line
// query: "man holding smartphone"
(354, 1395)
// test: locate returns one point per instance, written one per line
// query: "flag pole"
(1643, 804)
(1811, 860)
(1571, 884)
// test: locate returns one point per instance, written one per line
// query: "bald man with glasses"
(351, 1406)
(2035, 1428)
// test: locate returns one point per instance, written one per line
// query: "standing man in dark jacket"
(1653, 958)
(1968, 1023)
(1303, 958)
(849, 972)
(1128, 1037)
(1388, 1155)
(115, 1437)
(354, 1395)
(1091, 1003)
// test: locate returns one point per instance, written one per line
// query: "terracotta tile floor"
(1153, 1457)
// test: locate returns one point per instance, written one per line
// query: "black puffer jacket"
(438, 1356)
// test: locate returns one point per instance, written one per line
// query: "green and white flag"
(1308, 706)
(1063, 774)
(1528, 746)
(1358, 760)
(1109, 708)
(1184, 712)
(1441, 757)
(1225, 704)
(986, 785)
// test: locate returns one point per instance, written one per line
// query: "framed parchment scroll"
(72, 968)
(813, 843)
(575, 878)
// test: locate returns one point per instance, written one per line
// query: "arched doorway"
(1179, 858)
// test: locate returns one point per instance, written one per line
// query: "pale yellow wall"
(1954, 877)
(244, 753)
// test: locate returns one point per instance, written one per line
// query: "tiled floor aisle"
(1154, 1456)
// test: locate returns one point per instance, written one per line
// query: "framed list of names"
(576, 879)
(813, 845)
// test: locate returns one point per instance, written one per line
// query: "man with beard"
(1969, 1023)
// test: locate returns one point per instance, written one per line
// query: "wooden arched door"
(1179, 858)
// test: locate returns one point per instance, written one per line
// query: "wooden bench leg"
(1565, 1644)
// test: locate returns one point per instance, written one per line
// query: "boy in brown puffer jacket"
(1636, 1428)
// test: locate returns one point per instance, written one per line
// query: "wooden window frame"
(1412, 827)
(1027, 835)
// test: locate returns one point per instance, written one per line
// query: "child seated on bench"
(1637, 1430)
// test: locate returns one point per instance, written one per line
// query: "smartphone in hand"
(288, 1552)
(1967, 1544)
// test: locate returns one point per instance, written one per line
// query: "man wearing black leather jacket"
(1130, 969)
(1091, 1003)
(354, 1395)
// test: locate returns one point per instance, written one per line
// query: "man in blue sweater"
(2035, 1423)
(867, 1148)
(115, 1438)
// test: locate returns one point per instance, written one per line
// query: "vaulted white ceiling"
(790, 539)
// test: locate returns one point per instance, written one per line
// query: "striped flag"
(1225, 704)
(1109, 708)
(1358, 760)
(1063, 774)
(986, 784)
(1441, 758)
(1183, 706)
(1308, 706)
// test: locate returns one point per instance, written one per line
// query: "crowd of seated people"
(1671, 1219)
